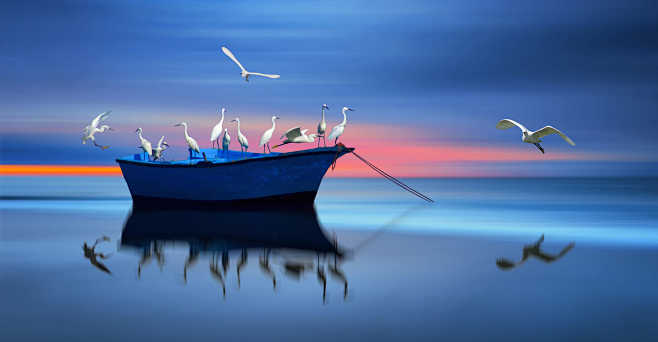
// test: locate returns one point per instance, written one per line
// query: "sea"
(509, 259)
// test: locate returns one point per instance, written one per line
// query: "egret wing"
(548, 130)
(264, 75)
(228, 53)
(507, 123)
(160, 142)
(335, 132)
(292, 133)
(100, 117)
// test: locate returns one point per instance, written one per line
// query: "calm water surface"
(368, 262)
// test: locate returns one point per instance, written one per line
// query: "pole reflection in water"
(291, 235)
(90, 253)
(534, 250)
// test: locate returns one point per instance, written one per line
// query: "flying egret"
(531, 137)
(322, 127)
(244, 143)
(162, 146)
(265, 139)
(144, 144)
(191, 143)
(296, 135)
(217, 130)
(92, 128)
(226, 140)
(338, 130)
(244, 73)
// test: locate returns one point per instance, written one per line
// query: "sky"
(429, 80)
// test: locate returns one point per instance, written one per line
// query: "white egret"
(244, 143)
(295, 136)
(265, 139)
(338, 130)
(144, 144)
(531, 137)
(191, 143)
(162, 146)
(244, 73)
(322, 127)
(217, 130)
(226, 140)
(92, 128)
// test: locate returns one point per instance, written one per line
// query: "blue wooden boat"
(229, 177)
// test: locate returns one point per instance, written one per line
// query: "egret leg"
(268, 148)
(539, 147)
(264, 148)
(336, 141)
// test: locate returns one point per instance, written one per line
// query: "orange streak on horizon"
(59, 170)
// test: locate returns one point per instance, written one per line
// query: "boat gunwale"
(266, 157)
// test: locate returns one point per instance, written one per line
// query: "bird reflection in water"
(191, 259)
(154, 248)
(90, 253)
(264, 263)
(322, 278)
(242, 262)
(338, 274)
(214, 270)
(535, 251)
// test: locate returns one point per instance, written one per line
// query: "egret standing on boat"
(322, 127)
(93, 128)
(191, 143)
(226, 140)
(531, 137)
(145, 145)
(244, 73)
(244, 143)
(217, 130)
(295, 136)
(162, 146)
(338, 130)
(265, 139)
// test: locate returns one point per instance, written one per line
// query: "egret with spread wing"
(244, 73)
(217, 130)
(265, 139)
(162, 146)
(92, 128)
(338, 130)
(296, 135)
(531, 137)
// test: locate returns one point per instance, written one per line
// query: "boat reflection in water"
(292, 235)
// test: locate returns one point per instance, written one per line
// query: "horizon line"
(65, 170)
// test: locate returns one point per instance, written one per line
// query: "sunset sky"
(428, 79)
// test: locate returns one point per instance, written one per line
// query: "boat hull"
(290, 177)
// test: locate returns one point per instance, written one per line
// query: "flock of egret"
(293, 135)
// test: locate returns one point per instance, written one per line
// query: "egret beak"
(350, 109)
(276, 117)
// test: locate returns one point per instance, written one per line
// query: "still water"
(366, 262)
